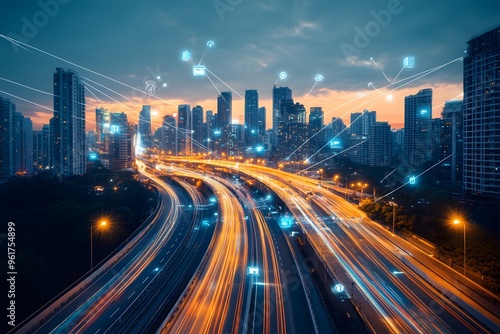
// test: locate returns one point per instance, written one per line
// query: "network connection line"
(28, 87)
(343, 151)
(79, 66)
(231, 88)
(25, 100)
(414, 78)
(416, 177)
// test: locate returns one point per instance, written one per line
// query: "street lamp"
(458, 222)
(394, 205)
(102, 223)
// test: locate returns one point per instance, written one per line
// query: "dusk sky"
(135, 41)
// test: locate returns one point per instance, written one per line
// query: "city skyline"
(303, 39)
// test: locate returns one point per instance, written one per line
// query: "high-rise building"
(261, 120)
(145, 127)
(27, 146)
(68, 124)
(209, 130)
(380, 144)
(316, 133)
(336, 135)
(251, 117)
(16, 141)
(397, 144)
(481, 116)
(451, 147)
(117, 142)
(41, 148)
(236, 140)
(168, 132)
(184, 130)
(224, 120)
(360, 135)
(417, 141)
(280, 95)
(361, 122)
(292, 132)
(7, 110)
(197, 129)
(102, 120)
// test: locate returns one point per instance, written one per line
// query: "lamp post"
(103, 223)
(458, 222)
(394, 205)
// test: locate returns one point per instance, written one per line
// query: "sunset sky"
(116, 46)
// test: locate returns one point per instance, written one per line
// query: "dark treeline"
(53, 217)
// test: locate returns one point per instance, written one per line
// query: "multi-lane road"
(399, 287)
(215, 257)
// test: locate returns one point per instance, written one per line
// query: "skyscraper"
(168, 139)
(68, 124)
(261, 120)
(280, 95)
(251, 117)
(316, 123)
(481, 116)
(145, 126)
(452, 142)
(417, 141)
(197, 129)
(361, 122)
(184, 129)
(224, 120)
(292, 132)
(380, 144)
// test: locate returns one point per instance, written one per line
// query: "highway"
(97, 307)
(216, 302)
(401, 296)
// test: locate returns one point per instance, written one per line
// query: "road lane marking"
(168, 252)
(176, 239)
(131, 295)
(111, 316)
(145, 280)
(162, 260)
(97, 331)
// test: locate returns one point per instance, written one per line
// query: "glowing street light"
(101, 224)
(458, 222)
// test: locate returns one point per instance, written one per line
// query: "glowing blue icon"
(283, 75)
(210, 44)
(409, 62)
(150, 87)
(318, 77)
(199, 70)
(423, 112)
(186, 56)
(164, 84)
(413, 180)
(158, 77)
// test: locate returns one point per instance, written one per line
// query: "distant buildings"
(145, 127)
(184, 129)
(280, 95)
(481, 116)
(68, 124)
(16, 141)
(380, 145)
(417, 141)
(292, 132)
(251, 118)
(451, 144)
